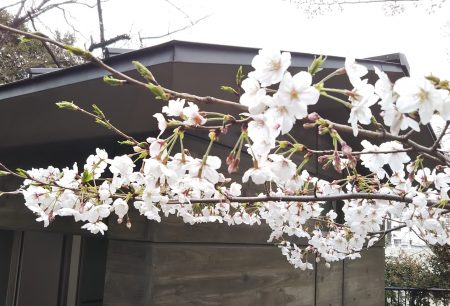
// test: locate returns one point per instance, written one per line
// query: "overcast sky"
(361, 30)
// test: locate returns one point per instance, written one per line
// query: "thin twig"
(101, 64)
(111, 126)
(108, 42)
(174, 31)
(432, 154)
(388, 230)
(318, 198)
(44, 44)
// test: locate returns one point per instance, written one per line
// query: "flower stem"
(345, 103)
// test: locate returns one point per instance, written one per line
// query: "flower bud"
(113, 81)
(228, 118)
(309, 125)
(323, 130)
(433, 79)
(79, 52)
(158, 91)
(68, 105)
(299, 147)
(213, 135)
(444, 85)
(144, 72)
(234, 166)
(230, 158)
(313, 117)
(346, 149)
(337, 162)
(321, 159)
(283, 144)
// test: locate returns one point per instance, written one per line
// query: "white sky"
(360, 30)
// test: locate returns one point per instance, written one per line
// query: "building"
(170, 263)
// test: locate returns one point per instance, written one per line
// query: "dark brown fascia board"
(170, 52)
(398, 58)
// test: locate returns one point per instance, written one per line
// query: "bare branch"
(108, 42)
(2, 193)
(44, 44)
(174, 31)
(181, 11)
(11, 5)
(366, 1)
(432, 154)
(393, 229)
(319, 198)
(19, 11)
(110, 125)
(130, 80)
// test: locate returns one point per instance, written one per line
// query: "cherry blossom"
(417, 94)
(270, 66)
(160, 178)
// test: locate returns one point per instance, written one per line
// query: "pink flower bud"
(346, 149)
(323, 158)
(337, 161)
(230, 158)
(313, 116)
(234, 166)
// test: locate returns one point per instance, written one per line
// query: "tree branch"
(393, 229)
(44, 44)
(174, 31)
(90, 57)
(181, 11)
(432, 154)
(105, 43)
(320, 198)
(438, 141)
(10, 5)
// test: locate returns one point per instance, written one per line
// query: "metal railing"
(399, 296)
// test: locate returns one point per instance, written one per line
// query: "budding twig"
(432, 154)
(93, 59)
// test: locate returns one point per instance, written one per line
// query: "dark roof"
(28, 115)
(174, 51)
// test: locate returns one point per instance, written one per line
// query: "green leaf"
(158, 91)
(239, 76)
(228, 89)
(23, 39)
(144, 72)
(98, 111)
(113, 81)
(79, 52)
(87, 176)
(316, 65)
(101, 122)
(143, 154)
(126, 142)
(4, 173)
(22, 173)
(68, 105)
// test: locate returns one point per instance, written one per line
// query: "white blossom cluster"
(161, 183)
